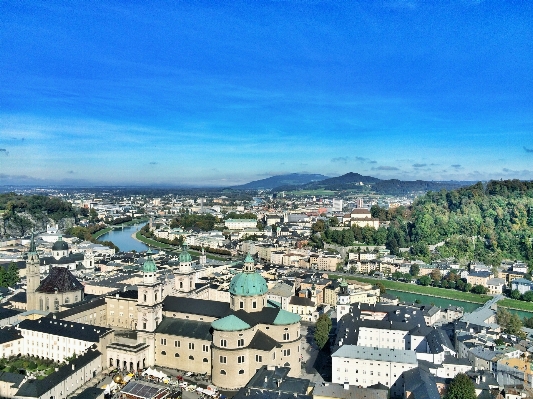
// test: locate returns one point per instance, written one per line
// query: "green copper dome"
(149, 264)
(185, 256)
(248, 284)
(230, 323)
(60, 245)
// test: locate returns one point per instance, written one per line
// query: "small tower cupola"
(149, 269)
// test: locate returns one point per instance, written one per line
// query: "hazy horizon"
(196, 93)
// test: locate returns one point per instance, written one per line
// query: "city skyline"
(195, 93)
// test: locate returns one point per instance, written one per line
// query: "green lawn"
(151, 242)
(100, 233)
(420, 289)
(514, 304)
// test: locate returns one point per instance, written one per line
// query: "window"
(223, 372)
(177, 344)
(240, 342)
(286, 336)
(240, 359)
(163, 341)
(177, 355)
(241, 371)
(241, 305)
(254, 304)
(205, 348)
(204, 360)
(144, 326)
(258, 358)
(191, 345)
(286, 352)
(223, 343)
(163, 353)
(191, 357)
(223, 359)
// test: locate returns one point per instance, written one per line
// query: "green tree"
(436, 275)
(414, 270)
(528, 296)
(461, 387)
(12, 274)
(479, 289)
(424, 280)
(515, 294)
(510, 322)
(322, 329)
(381, 286)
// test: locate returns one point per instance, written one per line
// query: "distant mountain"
(292, 179)
(356, 182)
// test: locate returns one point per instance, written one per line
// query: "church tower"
(185, 276)
(149, 306)
(33, 276)
(343, 300)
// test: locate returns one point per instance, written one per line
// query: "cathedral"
(59, 288)
(228, 341)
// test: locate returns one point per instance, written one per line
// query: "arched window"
(163, 353)
(223, 372)
(287, 364)
(205, 360)
(241, 371)
(67, 300)
(177, 355)
(191, 357)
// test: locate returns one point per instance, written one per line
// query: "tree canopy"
(461, 387)
(322, 329)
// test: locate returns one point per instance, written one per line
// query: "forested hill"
(487, 223)
(21, 213)
(357, 182)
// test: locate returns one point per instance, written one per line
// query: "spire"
(33, 250)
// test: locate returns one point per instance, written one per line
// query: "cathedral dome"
(185, 256)
(248, 284)
(60, 245)
(149, 264)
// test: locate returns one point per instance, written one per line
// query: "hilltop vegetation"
(22, 213)
(488, 223)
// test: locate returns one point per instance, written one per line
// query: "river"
(443, 302)
(121, 237)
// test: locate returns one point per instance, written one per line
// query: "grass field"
(100, 233)
(514, 304)
(420, 289)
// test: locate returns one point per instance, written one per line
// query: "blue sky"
(220, 93)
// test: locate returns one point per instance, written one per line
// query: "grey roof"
(37, 388)
(353, 392)
(9, 334)
(185, 328)
(281, 289)
(378, 354)
(90, 393)
(421, 384)
(262, 342)
(268, 379)
(196, 306)
(79, 307)
(301, 301)
(14, 378)
(62, 328)
(438, 341)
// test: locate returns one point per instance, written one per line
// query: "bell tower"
(149, 306)
(33, 276)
